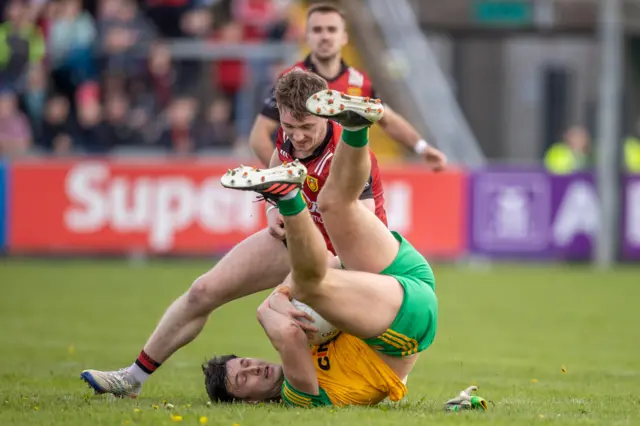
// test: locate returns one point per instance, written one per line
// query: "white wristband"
(271, 208)
(420, 147)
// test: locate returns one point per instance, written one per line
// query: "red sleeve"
(376, 178)
(367, 87)
(279, 143)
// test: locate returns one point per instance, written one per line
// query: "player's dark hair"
(294, 88)
(325, 8)
(215, 378)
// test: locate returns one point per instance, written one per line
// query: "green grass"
(509, 330)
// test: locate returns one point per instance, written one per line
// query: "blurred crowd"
(98, 76)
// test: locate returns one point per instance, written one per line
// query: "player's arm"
(399, 128)
(263, 127)
(291, 342)
(403, 132)
(274, 159)
(273, 162)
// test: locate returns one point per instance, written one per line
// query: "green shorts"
(414, 328)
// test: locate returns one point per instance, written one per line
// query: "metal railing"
(420, 74)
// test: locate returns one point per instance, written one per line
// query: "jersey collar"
(287, 146)
(311, 67)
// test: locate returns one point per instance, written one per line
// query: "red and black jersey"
(350, 81)
(318, 165)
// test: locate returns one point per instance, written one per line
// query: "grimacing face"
(326, 34)
(307, 134)
(253, 380)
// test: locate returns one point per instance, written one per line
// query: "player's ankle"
(292, 205)
(143, 367)
(356, 137)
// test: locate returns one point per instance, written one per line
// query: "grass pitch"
(547, 345)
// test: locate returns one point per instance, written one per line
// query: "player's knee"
(205, 294)
(307, 292)
(329, 200)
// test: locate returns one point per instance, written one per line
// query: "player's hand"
(435, 158)
(466, 401)
(303, 320)
(275, 222)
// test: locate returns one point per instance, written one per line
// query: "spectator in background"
(217, 132)
(155, 90)
(260, 17)
(270, 19)
(34, 100)
(15, 132)
(571, 154)
(180, 133)
(92, 132)
(71, 38)
(57, 129)
(180, 18)
(123, 32)
(230, 74)
(21, 45)
(631, 150)
(118, 129)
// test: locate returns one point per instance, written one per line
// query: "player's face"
(326, 35)
(253, 380)
(307, 134)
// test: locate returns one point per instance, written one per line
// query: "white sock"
(138, 373)
(290, 195)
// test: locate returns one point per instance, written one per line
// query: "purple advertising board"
(531, 214)
(631, 219)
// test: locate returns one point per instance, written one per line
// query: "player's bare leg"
(360, 239)
(362, 242)
(310, 278)
(259, 262)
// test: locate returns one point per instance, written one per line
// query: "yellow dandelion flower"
(176, 418)
(136, 410)
(534, 380)
(203, 420)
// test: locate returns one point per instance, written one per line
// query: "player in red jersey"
(326, 36)
(255, 264)
(318, 164)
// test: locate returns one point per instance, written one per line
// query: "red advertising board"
(179, 207)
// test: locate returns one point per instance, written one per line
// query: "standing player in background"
(326, 35)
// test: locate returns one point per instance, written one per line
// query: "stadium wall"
(177, 207)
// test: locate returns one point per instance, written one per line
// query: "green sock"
(292, 206)
(356, 138)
